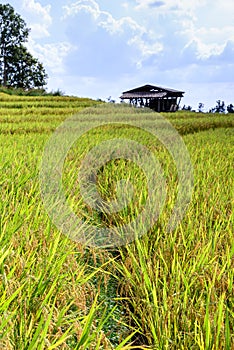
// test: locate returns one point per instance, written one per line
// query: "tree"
(186, 108)
(18, 68)
(230, 108)
(219, 108)
(109, 99)
(200, 107)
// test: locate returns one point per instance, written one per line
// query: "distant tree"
(57, 92)
(186, 108)
(200, 107)
(109, 99)
(18, 68)
(230, 108)
(219, 108)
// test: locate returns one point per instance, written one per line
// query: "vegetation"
(31, 92)
(18, 68)
(230, 108)
(219, 108)
(162, 291)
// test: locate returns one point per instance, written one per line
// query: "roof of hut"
(151, 91)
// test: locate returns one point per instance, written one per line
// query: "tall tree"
(18, 68)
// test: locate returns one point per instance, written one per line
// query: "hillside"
(165, 289)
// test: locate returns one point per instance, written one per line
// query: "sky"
(100, 48)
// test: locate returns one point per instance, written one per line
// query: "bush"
(30, 92)
(23, 92)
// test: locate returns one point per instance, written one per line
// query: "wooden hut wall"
(158, 104)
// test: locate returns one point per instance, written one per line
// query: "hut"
(157, 98)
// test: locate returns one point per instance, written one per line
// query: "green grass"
(165, 290)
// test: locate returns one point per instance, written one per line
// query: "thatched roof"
(151, 91)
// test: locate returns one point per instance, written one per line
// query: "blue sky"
(99, 48)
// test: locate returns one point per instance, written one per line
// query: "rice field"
(165, 289)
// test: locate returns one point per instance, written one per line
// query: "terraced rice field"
(163, 290)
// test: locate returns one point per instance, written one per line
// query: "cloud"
(38, 17)
(170, 48)
(183, 5)
(157, 4)
(228, 52)
(99, 48)
(107, 46)
(102, 19)
(146, 4)
(52, 55)
(187, 34)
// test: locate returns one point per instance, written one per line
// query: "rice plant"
(164, 290)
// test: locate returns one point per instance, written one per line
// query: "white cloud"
(103, 18)
(38, 18)
(52, 55)
(209, 40)
(146, 49)
(89, 6)
(125, 31)
(125, 5)
(199, 28)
